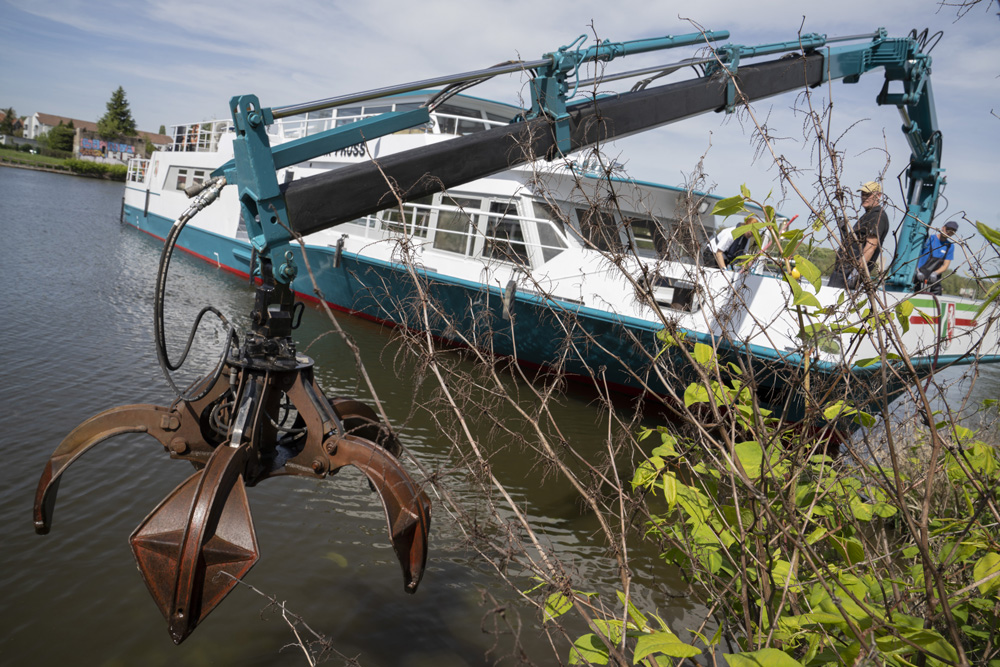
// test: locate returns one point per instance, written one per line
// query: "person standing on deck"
(935, 258)
(861, 248)
(725, 248)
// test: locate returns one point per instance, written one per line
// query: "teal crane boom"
(553, 127)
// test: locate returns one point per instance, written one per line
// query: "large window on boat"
(412, 221)
(552, 240)
(179, 178)
(456, 224)
(458, 120)
(599, 227)
(646, 236)
(504, 235)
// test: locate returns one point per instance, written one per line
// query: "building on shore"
(89, 145)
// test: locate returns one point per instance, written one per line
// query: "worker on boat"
(724, 248)
(861, 248)
(935, 258)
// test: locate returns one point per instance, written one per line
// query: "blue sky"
(180, 61)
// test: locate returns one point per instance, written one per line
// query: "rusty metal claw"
(169, 426)
(198, 543)
(407, 508)
(261, 416)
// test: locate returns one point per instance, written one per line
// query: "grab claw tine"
(116, 421)
(407, 508)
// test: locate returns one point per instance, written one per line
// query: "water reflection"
(87, 345)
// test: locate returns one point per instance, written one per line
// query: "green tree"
(60, 138)
(118, 121)
(7, 124)
(163, 129)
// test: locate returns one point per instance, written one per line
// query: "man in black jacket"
(861, 247)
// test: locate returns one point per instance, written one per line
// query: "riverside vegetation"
(887, 554)
(114, 172)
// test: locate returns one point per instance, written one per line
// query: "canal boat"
(569, 264)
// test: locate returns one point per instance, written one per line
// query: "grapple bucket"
(198, 543)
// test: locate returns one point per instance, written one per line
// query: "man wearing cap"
(863, 245)
(935, 258)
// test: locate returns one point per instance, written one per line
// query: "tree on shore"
(118, 121)
(60, 138)
(7, 123)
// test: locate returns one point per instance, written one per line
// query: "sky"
(180, 61)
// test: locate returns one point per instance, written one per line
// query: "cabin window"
(504, 235)
(413, 220)
(497, 118)
(179, 178)
(646, 236)
(552, 241)
(598, 227)
(467, 121)
(456, 228)
(347, 115)
(319, 121)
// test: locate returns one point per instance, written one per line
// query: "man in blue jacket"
(935, 258)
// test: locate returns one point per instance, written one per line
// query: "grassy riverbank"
(16, 158)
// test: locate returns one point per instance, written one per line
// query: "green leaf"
(729, 206)
(751, 456)
(588, 648)
(862, 511)
(809, 271)
(843, 409)
(800, 296)
(637, 616)
(992, 235)
(556, 605)
(666, 643)
(766, 657)
(903, 311)
(885, 510)
(754, 227)
(695, 393)
(850, 549)
(935, 643)
(668, 339)
(984, 567)
(612, 630)
(745, 191)
(704, 354)
(670, 489)
(666, 447)
(991, 296)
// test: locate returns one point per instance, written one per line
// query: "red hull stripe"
(960, 322)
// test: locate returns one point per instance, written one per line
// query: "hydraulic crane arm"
(361, 189)
(552, 128)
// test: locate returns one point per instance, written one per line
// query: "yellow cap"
(871, 186)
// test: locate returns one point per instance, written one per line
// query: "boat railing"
(198, 137)
(495, 235)
(296, 127)
(137, 168)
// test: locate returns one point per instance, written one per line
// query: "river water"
(76, 339)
